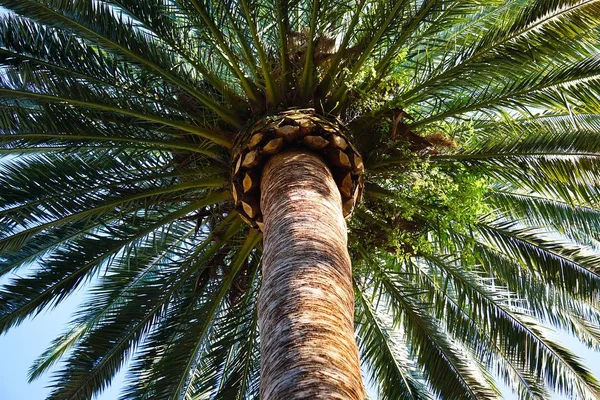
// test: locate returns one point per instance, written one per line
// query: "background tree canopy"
(479, 126)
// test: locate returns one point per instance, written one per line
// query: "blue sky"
(20, 347)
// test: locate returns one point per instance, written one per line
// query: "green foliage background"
(479, 125)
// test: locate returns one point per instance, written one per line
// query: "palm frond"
(175, 340)
(464, 324)
(559, 262)
(81, 259)
(447, 371)
(510, 329)
(98, 23)
(394, 373)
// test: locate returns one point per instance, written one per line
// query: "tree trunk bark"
(306, 302)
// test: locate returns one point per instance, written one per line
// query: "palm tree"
(424, 174)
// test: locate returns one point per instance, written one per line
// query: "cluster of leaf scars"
(132, 134)
(294, 129)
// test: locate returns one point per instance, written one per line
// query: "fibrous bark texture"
(306, 303)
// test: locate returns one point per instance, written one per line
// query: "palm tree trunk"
(306, 303)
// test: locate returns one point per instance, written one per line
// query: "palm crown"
(479, 129)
